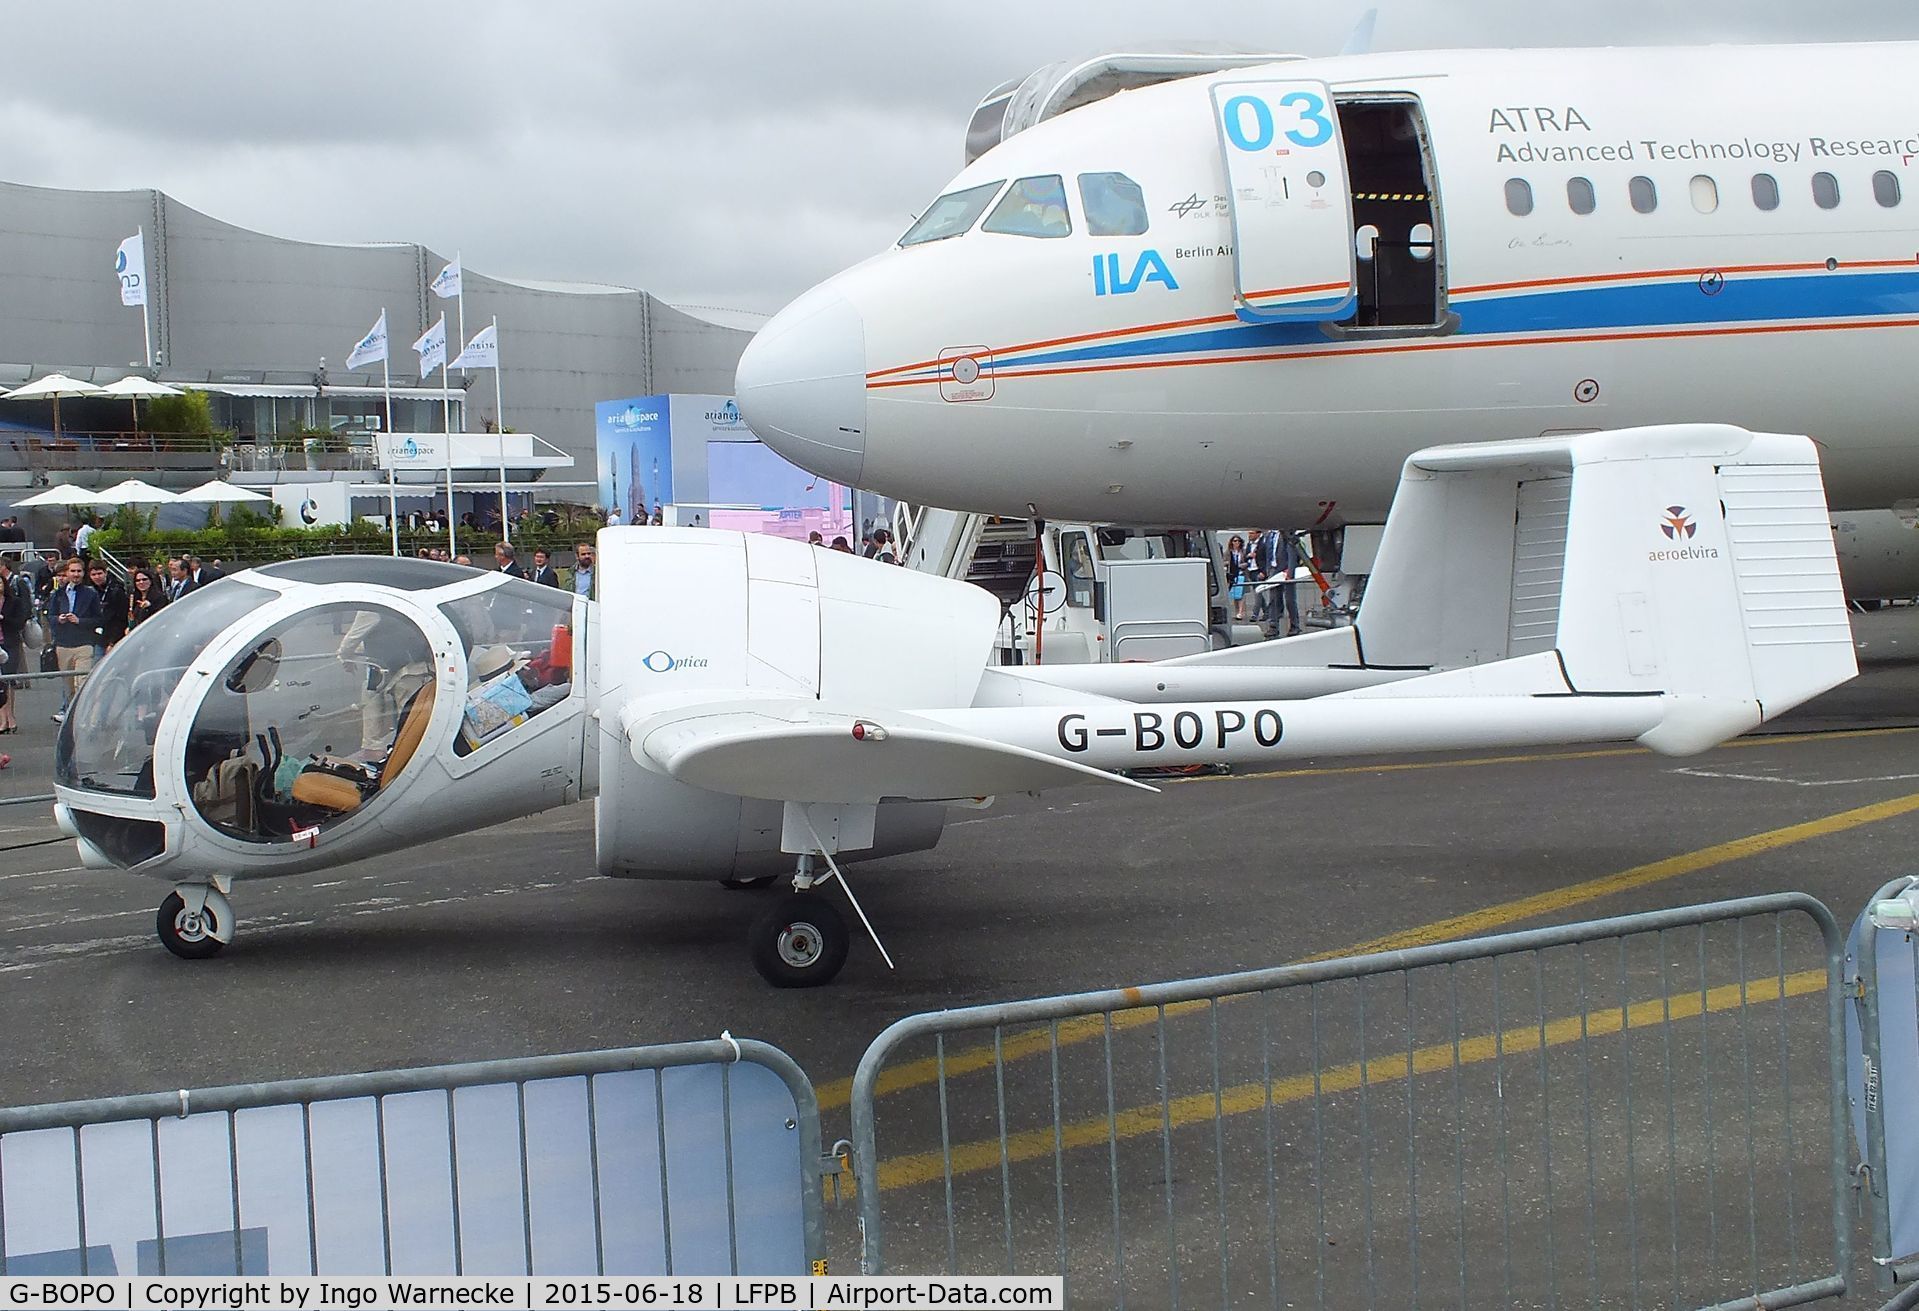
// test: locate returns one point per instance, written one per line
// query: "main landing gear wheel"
(801, 942)
(748, 885)
(189, 934)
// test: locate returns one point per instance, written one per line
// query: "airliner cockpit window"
(950, 215)
(310, 722)
(1032, 207)
(1115, 206)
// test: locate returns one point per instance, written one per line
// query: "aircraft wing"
(800, 750)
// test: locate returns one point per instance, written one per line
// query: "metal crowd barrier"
(696, 1157)
(1883, 1043)
(1642, 1110)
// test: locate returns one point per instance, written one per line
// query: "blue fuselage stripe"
(1686, 303)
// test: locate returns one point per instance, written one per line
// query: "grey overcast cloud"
(720, 154)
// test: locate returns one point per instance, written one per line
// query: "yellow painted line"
(1201, 1108)
(918, 1073)
(1838, 735)
(1475, 762)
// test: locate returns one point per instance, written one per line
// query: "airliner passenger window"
(1825, 190)
(1366, 241)
(1645, 198)
(1765, 191)
(1579, 195)
(1032, 207)
(951, 214)
(1115, 206)
(1885, 188)
(1705, 194)
(1519, 197)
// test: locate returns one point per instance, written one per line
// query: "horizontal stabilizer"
(792, 750)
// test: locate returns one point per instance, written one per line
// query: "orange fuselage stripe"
(1477, 289)
(1409, 347)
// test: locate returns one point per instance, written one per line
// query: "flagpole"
(446, 431)
(459, 303)
(459, 311)
(392, 492)
(499, 435)
(146, 322)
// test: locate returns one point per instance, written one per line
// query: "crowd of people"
(81, 612)
(506, 560)
(1261, 567)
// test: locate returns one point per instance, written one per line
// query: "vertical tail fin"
(1689, 560)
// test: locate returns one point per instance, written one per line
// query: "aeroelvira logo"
(664, 662)
(1678, 526)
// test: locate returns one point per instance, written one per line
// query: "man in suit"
(113, 607)
(543, 571)
(179, 582)
(503, 556)
(75, 609)
(198, 575)
(1275, 556)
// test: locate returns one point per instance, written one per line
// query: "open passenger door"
(1291, 204)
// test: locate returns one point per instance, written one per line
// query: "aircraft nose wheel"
(801, 942)
(192, 934)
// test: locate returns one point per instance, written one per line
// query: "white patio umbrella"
(53, 387)
(219, 493)
(135, 491)
(133, 387)
(62, 494)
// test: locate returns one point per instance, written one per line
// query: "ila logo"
(1108, 280)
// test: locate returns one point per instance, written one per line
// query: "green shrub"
(186, 413)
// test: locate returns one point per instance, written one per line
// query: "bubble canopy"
(106, 743)
(273, 708)
(309, 722)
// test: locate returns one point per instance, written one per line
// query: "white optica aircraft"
(739, 704)
(1244, 297)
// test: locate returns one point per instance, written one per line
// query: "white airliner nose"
(801, 386)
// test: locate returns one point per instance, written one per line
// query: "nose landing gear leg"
(196, 919)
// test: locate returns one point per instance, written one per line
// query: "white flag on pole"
(130, 265)
(483, 352)
(372, 347)
(447, 285)
(432, 347)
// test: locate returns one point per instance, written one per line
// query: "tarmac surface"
(504, 944)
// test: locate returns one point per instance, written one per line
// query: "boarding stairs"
(993, 553)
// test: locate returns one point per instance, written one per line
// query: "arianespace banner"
(634, 442)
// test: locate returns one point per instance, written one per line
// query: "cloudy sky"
(721, 153)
